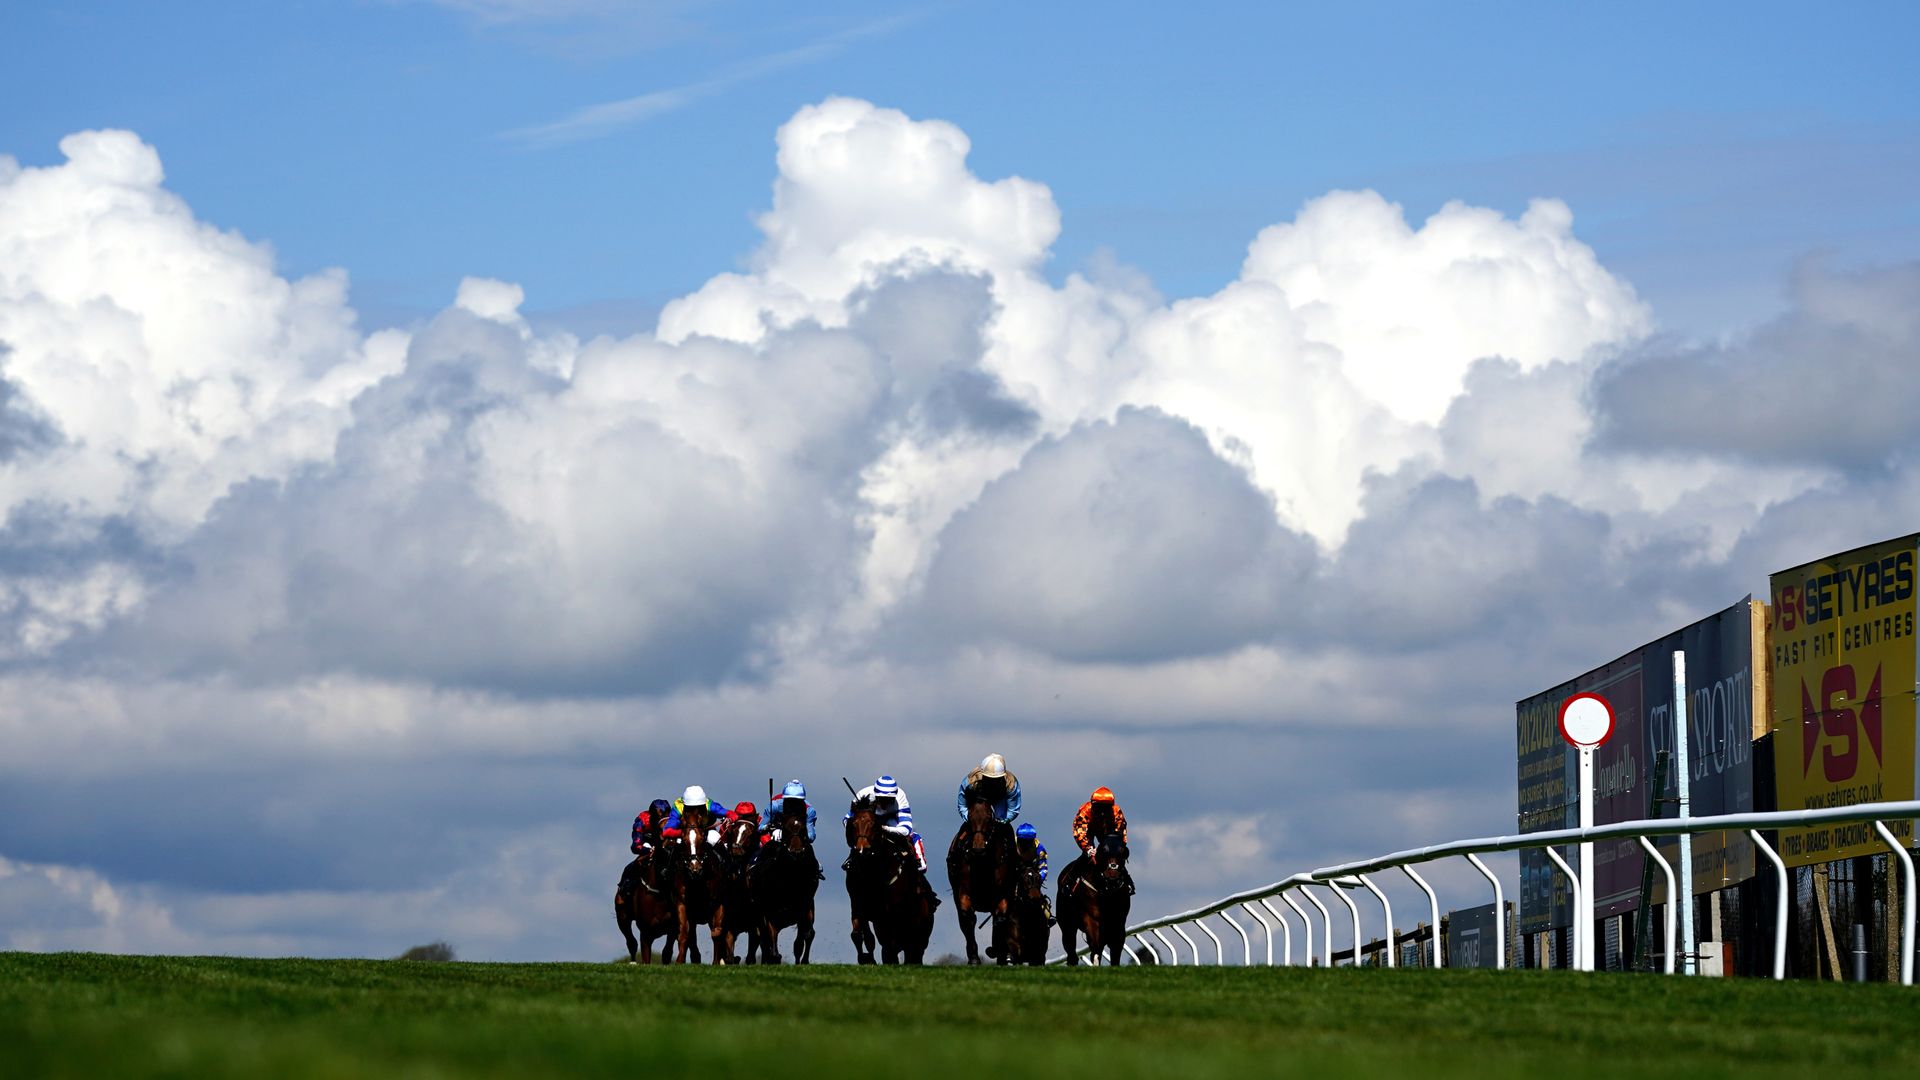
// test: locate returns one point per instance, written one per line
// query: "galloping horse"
(1094, 902)
(1027, 925)
(734, 913)
(885, 889)
(979, 862)
(699, 888)
(783, 884)
(642, 899)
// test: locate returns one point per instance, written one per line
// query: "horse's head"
(739, 835)
(863, 826)
(793, 825)
(696, 855)
(979, 825)
(1109, 859)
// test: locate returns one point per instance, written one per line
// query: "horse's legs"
(803, 937)
(625, 919)
(963, 910)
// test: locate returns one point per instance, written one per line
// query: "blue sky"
(690, 378)
(1703, 147)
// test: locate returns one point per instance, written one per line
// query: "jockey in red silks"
(1099, 816)
(660, 811)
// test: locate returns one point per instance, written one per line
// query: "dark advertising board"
(1724, 698)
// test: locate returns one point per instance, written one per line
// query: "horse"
(1026, 920)
(642, 899)
(1094, 901)
(979, 862)
(699, 889)
(891, 904)
(734, 913)
(783, 883)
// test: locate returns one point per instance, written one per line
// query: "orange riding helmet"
(1101, 794)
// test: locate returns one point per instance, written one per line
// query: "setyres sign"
(1843, 655)
(1724, 713)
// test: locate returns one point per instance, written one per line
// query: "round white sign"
(1586, 720)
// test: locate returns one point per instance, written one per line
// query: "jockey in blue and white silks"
(770, 821)
(1028, 839)
(894, 812)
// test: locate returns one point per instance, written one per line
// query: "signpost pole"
(1584, 909)
(1683, 778)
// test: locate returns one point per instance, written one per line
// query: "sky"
(429, 430)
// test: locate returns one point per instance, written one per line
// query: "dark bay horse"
(979, 865)
(783, 883)
(891, 903)
(734, 913)
(1027, 923)
(643, 899)
(1094, 901)
(699, 888)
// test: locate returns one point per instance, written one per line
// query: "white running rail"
(1337, 879)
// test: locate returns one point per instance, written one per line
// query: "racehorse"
(884, 886)
(1094, 902)
(979, 863)
(734, 913)
(699, 889)
(1027, 925)
(783, 883)
(642, 899)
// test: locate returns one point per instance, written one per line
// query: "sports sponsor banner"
(1843, 693)
(1723, 702)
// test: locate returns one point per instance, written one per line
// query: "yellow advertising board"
(1843, 659)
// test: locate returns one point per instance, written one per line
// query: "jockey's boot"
(1046, 908)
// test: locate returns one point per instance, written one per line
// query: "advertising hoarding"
(1843, 652)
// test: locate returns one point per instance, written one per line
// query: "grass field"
(92, 1015)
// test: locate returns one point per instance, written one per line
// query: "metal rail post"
(1131, 955)
(1172, 949)
(1386, 909)
(1672, 889)
(1304, 921)
(1906, 909)
(1286, 931)
(1246, 945)
(1499, 913)
(1148, 942)
(1340, 895)
(1780, 904)
(1433, 906)
(1264, 925)
(1183, 937)
(1219, 951)
(1326, 926)
(1573, 886)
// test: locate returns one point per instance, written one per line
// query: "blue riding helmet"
(794, 789)
(1026, 831)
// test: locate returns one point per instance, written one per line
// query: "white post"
(1172, 949)
(1654, 854)
(1183, 937)
(1246, 945)
(1780, 904)
(1906, 909)
(1326, 927)
(1499, 913)
(1573, 882)
(1387, 910)
(1684, 774)
(1304, 921)
(1353, 910)
(1148, 943)
(1264, 925)
(1219, 951)
(1433, 906)
(1583, 900)
(1286, 931)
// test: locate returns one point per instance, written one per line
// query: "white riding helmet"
(993, 765)
(694, 796)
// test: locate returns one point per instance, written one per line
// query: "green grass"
(91, 1015)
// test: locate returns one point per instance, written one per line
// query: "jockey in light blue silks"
(992, 782)
(770, 821)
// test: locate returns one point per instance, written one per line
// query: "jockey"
(992, 782)
(1100, 816)
(696, 809)
(1026, 841)
(895, 813)
(770, 821)
(651, 823)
